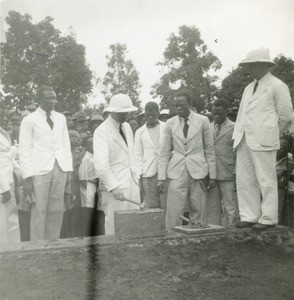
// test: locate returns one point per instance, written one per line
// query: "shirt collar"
(263, 79)
(43, 112)
(222, 124)
(189, 117)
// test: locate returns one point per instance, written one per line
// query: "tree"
(37, 54)
(186, 59)
(234, 84)
(284, 70)
(121, 77)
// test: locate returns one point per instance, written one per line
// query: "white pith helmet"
(120, 103)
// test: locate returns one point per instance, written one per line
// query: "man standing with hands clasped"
(265, 113)
(114, 160)
(191, 168)
(45, 158)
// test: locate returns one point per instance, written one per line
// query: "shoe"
(245, 224)
(259, 226)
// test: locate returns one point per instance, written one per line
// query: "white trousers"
(109, 204)
(9, 226)
(257, 187)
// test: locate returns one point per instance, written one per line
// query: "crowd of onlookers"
(65, 174)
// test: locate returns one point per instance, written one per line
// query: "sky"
(230, 29)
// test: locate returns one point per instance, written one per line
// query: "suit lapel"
(224, 130)
(117, 137)
(193, 127)
(40, 121)
(260, 90)
(177, 129)
(146, 132)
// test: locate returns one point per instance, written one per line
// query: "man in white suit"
(265, 113)
(225, 157)
(45, 158)
(189, 135)
(114, 160)
(148, 140)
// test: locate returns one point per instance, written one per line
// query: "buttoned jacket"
(146, 152)
(114, 160)
(195, 152)
(264, 115)
(40, 146)
(224, 153)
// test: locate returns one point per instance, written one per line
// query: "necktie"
(186, 127)
(255, 87)
(49, 121)
(218, 129)
(122, 134)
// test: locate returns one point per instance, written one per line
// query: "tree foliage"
(234, 84)
(187, 60)
(122, 76)
(37, 54)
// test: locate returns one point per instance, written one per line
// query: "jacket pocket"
(267, 135)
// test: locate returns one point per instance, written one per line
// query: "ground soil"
(169, 269)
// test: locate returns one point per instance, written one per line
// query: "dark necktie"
(122, 134)
(255, 87)
(186, 127)
(49, 121)
(218, 129)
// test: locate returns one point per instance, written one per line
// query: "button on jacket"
(40, 146)
(196, 152)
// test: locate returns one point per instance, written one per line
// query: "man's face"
(83, 124)
(151, 117)
(219, 113)
(182, 106)
(257, 70)
(47, 101)
(74, 139)
(120, 117)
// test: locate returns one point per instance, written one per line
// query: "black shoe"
(245, 224)
(259, 226)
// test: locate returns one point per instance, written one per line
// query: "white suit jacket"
(264, 115)
(224, 153)
(146, 152)
(114, 161)
(6, 163)
(196, 152)
(40, 146)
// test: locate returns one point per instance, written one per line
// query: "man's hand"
(118, 194)
(28, 186)
(6, 196)
(211, 184)
(160, 186)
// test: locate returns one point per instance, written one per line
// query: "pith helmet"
(257, 56)
(120, 103)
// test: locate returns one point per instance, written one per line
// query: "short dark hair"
(43, 89)
(221, 102)
(152, 106)
(188, 94)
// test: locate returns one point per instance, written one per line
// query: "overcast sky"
(144, 26)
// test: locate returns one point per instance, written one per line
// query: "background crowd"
(64, 174)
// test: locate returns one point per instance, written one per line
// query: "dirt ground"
(170, 269)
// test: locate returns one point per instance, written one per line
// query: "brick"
(139, 223)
